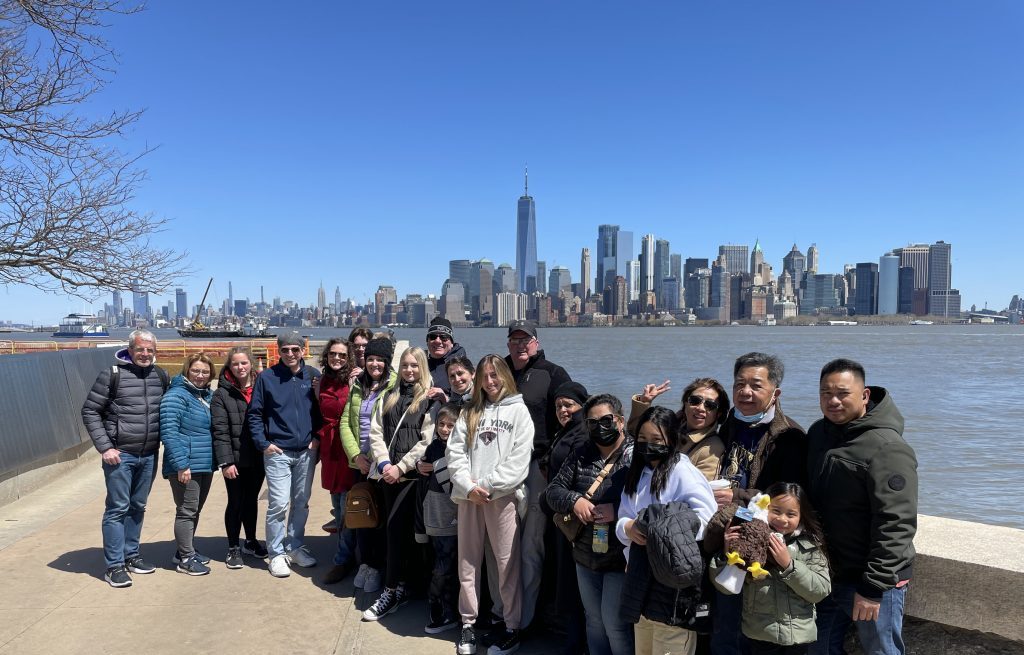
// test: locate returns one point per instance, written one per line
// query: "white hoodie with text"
(499, 459)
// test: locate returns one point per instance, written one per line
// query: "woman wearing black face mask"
(598, 466)
(660, 474)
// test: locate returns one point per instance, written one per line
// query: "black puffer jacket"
(232, 441)
(672, 548)
(538, 381)
(131, 421)
(643, 595)
(574, 478)
(437, 367)
(402, 436)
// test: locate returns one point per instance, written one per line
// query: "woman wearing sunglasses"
(705, 408)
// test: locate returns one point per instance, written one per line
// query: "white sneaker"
(301, 557)
(360, 578)
(279, 566)
(372, 584)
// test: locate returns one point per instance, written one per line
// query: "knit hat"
(292, 338)
(529, 327)
(382, 348)
(442, 326)
(572, 390)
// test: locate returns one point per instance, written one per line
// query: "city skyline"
(703, 125)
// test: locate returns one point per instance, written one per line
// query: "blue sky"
(369, 143)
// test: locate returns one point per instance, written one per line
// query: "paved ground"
(54, 599)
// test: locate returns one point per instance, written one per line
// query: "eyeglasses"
(606, 421)
(520, 341)
(336, 355)
(200, 373)
(437, 336)
(359, 346)
(290, 349)
(697, 401)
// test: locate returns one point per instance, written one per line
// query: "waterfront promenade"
(54, 599)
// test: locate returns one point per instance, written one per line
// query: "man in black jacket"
(441, 349)
(537, 379)
(863, 484)
(122, 416)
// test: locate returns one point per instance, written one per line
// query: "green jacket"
(349, 425)
(779, 609)
(863, 484)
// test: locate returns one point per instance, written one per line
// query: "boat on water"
(231, 329)
(841, 323)
(920, 322)
(81, 326)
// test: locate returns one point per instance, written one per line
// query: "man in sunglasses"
(441, 348)
(537, 379)
(284, 417)
(864, 487)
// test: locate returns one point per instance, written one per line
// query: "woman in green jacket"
(365, 394)
(778, 610)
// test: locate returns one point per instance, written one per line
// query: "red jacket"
(335, 474)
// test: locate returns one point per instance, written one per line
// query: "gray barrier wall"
(41, 396)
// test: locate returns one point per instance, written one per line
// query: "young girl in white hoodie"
(488, 460)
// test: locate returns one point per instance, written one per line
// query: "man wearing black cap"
(537, 379)
(441, 348)
(284, 417)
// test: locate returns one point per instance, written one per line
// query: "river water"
(956, 386)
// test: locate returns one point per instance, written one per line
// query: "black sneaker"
(506, 644)
(177, 559)
(388, 602)
(118, 576)
(440, 625)
(467, 641)
(138, 565)
(193, 566)
(234, 558)
(495, 631)
(254, 548)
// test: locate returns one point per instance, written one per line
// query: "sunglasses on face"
(437, 337)
(291, 349)
(697, 401)
(337, 355)
(606, 421)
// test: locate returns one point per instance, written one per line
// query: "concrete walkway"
(54, 599)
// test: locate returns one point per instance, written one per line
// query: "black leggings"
(399, 531)
(243, 494)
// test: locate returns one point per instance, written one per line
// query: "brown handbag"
(568, 523)
(361, 507)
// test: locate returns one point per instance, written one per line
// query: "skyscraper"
(606, 241)
(505, 279)
(180, 303)
(321, 300)
(559, 280)
(647, 263)
(795, 263)
(735, 258)
(676, 267)
(943, 300)
(662, 269)
(585, 274)
(624, 253)
(757, 263)
(812, 258)
(915, 256)
(140, 300)
(337, 301)
(459, 271)
(542, 277)
(866, 294)
(888, 284)
(526, 238)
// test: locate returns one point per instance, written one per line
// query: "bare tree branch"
(65, 224)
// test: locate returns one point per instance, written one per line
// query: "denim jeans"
(881, 637)
(346, 537)
(128, 486)
(726, 617)
(289, 483)
(601, 592)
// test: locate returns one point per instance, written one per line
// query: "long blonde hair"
(420, 387)
(475, 409)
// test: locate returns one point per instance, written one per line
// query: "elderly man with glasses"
(284, 418)
(441, 349)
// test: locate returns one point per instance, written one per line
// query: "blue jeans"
(881, 637)
(289, 483)
(346, 537)
(600, 592)
(128, 486)
(726, 617)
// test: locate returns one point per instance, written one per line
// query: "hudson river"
(959, 388)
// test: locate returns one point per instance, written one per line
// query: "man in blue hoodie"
(284, 418)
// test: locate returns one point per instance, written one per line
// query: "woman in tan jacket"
(705, 407)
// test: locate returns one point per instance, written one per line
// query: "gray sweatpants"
(189, 500)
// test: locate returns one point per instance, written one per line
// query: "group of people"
(537, 498)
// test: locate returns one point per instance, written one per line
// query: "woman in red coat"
(335, 474)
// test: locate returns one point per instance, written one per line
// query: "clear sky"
(367, 143)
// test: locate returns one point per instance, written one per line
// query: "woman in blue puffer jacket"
(188, 454)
